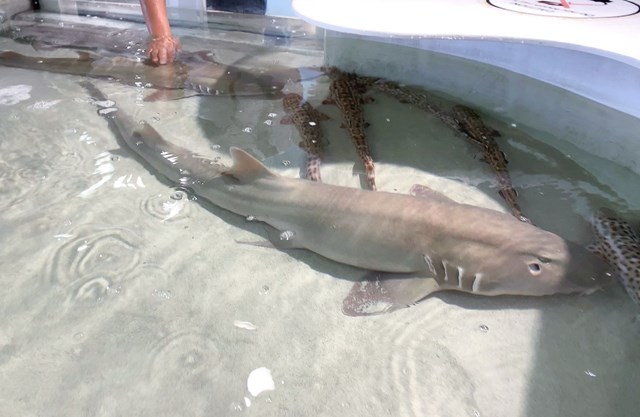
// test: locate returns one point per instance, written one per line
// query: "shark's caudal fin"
(246, 168)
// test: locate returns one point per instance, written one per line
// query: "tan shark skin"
(420, 245)
(472, 125)
(619, 245)
(346, 93)
(307, 120)
(197, 73)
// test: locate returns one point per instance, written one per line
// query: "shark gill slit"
(446, 273)
(460, 275)
(429, 263)
(477, 278)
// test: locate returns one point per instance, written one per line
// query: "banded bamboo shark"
(619, 245)
(307, 120)
(417, 245)
(345, 92)
(194, 74)
(472, 125)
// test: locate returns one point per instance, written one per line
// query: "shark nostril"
(534, 268)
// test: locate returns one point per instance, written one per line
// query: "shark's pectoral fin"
(169, 95)
(381, 293)
(422, 191)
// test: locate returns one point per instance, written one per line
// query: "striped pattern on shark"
(470, 123)
(345, 91)
(619, 245)
(414, 246)
(307, 120)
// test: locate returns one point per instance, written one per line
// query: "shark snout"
(585, 271)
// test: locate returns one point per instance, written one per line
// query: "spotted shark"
(415, 245)
(470, 123)
(192, 74)
(307, 120)
(345, 91)
(619, 245)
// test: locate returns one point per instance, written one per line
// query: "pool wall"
(577, 104)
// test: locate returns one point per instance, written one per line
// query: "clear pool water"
(123, 295)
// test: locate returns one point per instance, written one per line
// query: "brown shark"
(619, 245)
(194, 74)
(470, 123)
(418, 245)
(345, 91)
(307, 120)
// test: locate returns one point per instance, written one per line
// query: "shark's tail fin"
(177, 164)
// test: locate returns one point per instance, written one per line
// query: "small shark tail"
(177, 164)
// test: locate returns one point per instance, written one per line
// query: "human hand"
(162, 50)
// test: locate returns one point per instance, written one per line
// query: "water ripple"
(20, 173)
(420, 363)
(94, 262)
(183, 354)
(167, 208)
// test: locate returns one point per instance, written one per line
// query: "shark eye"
(534, 268)
(544, 260)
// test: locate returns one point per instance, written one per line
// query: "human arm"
(163, 46)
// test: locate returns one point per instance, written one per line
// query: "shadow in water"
(587, 358)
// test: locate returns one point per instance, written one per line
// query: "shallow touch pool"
(123, 295)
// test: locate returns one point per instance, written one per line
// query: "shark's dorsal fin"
(422, 191)
(246, 168)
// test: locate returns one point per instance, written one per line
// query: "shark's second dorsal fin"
(246, 168)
